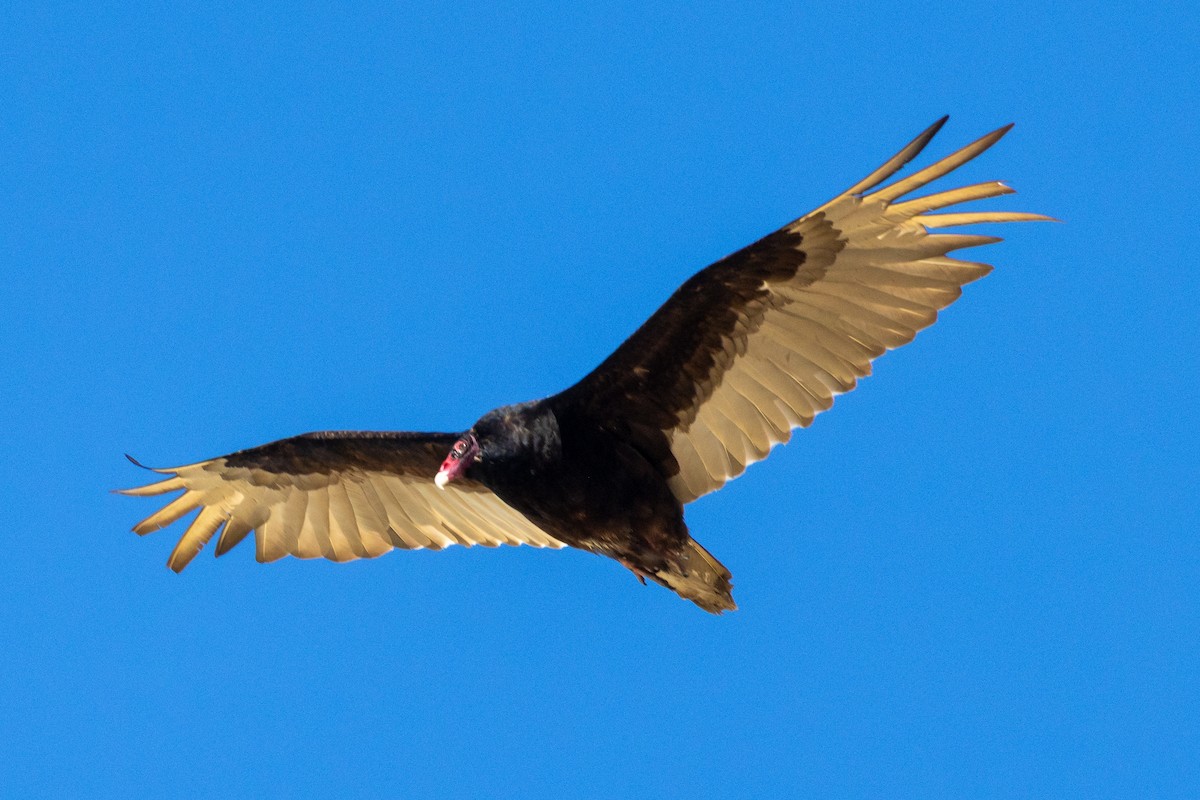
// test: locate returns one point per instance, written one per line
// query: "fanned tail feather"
(699, 577)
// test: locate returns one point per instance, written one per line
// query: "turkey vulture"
(746, 350)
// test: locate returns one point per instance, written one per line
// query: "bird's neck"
(530, 444)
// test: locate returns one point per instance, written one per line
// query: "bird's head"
(463, 455)
(516, 439)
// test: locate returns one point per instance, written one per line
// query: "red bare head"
(464, 453)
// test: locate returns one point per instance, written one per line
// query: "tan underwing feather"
(978, 218)
(196, 536)
(938, 169)
(232, 535)
(402, 528)
(313, 539)
(291, 514)
(372, 519)
(172, 484)
(963, 194)
(245, 517)
(270, 544)
(177, 508)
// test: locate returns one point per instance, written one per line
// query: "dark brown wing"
(760, 342)
(337, 495)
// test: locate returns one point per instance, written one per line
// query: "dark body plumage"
(583, 484)
(744, 352)
(592, 488)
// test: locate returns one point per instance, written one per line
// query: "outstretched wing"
(760, 342)
(338, 495)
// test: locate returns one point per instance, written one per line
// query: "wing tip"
(990, 138)
(941, 167)
(898, 161)
(926, 136)
(159, 470)
(137, 463)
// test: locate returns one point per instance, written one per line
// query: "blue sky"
(976, 577)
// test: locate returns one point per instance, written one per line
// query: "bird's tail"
(695, 575)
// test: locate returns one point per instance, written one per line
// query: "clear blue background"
(976, 577)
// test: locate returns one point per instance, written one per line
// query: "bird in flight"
(748, 349)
